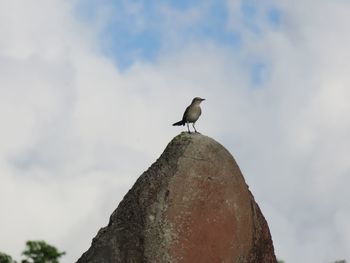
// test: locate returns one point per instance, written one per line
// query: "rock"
(192, 205)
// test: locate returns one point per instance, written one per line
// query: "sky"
(89, 90)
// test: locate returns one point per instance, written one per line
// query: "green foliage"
(40, 252)
(4, 258)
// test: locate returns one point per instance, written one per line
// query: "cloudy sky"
(89, 89)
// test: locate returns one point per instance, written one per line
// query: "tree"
(41, 252)
(4, 258)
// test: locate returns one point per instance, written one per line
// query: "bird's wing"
(185, 114)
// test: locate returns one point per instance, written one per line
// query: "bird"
(191, 115)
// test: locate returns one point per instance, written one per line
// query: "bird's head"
(197, 100)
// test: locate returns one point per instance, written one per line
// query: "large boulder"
(192, 205)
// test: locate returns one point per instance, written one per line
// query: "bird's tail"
(179, 123)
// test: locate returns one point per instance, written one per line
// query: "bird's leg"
(194, 128)
(188, 128)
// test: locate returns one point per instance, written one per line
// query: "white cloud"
(76, 132)
(55, 168)
(300, 152)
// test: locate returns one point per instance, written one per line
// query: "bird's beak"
(202, 99)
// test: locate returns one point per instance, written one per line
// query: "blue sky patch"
(250, 16)
(182, 4)
(274, 16)
(136, 30)
(249, 10)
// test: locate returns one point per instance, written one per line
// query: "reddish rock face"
(192, 205)
(207, 206)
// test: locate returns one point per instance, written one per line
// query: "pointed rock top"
(191, 205)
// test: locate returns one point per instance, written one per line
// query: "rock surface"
(192, 205)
